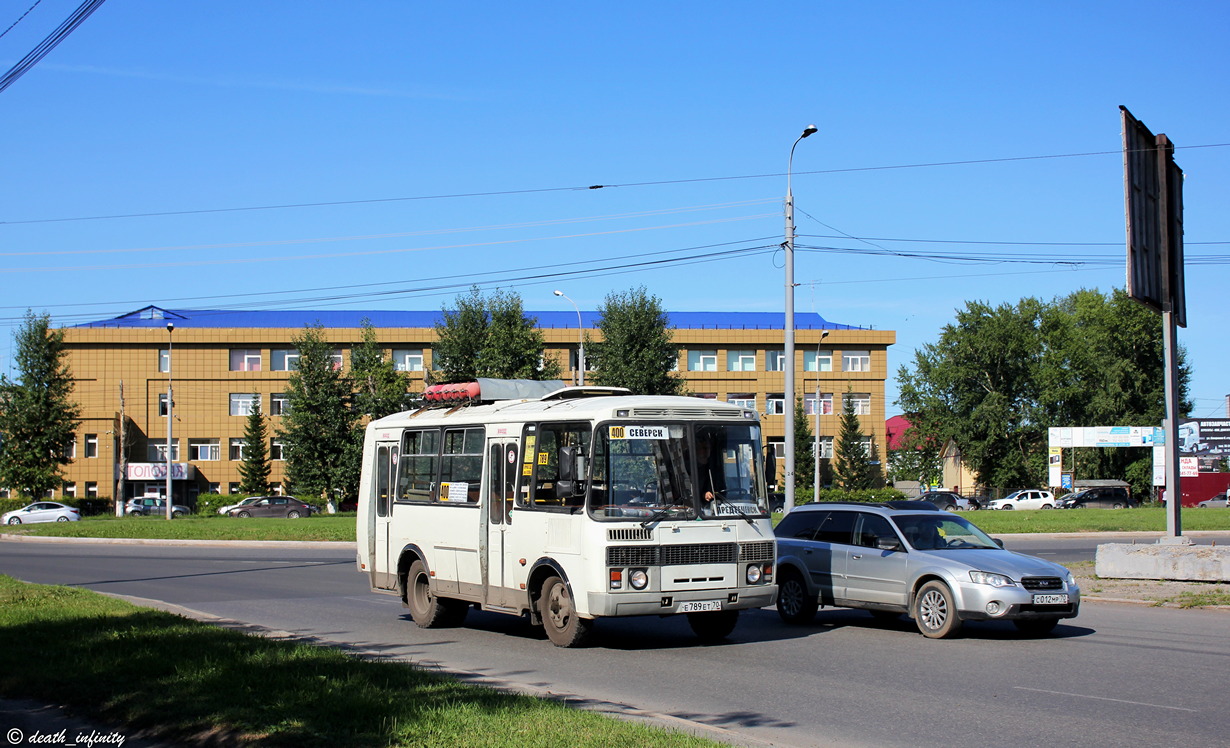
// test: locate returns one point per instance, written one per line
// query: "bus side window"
(462, 461)
(549, 487)
(416, 478)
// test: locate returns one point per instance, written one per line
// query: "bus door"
(502, 466)
(380, 550)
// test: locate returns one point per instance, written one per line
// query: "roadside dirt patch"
(1151, 591)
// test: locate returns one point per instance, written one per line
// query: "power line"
(576, 188)
(44, 47)
(20, 19)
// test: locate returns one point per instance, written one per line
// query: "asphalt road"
(1117, 675)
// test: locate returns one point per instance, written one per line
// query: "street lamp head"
(810, 130)
(558, 292)
(824, 334)
(170, 326)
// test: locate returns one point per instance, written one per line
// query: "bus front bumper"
(669, 603)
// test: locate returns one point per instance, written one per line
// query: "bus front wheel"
(713, 627)
(427, 610)
(559, 615)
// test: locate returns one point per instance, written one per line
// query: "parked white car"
(250, 500)
(1029, 499)
(41, 511)
(1221, 500)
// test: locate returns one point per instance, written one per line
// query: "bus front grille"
(760, 550)
(676, 555)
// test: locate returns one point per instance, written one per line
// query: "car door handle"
(856, 557)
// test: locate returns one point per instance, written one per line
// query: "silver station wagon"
(936, 567)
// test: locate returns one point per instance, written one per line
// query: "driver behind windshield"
(711, 474)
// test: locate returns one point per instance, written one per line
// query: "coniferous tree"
(489, 337)
(852, 471)
(38, 417)
(318, 431)
(636, 349)
(804, 444)
(254, 469)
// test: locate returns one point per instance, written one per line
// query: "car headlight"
(1068, 579)
(995, 580)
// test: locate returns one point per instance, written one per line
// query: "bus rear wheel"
(427, 610)
(711, 628)
(559, 615)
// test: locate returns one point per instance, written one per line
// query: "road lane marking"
(1105, 698)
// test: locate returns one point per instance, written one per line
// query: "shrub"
(873, 495)
(208, 504)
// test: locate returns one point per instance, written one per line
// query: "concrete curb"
(322, 544)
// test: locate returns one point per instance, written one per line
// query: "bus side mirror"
(571, 470)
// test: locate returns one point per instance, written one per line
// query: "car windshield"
(930, 532)
(677, 471)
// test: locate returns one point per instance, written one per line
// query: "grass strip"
(337, 528)
(1149, 519)
(182, 680)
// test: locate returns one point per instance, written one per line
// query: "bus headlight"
(638, 579)
(753, 573)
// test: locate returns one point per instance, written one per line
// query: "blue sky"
(428, 147)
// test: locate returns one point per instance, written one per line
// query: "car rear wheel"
(293, 514)
(1047, 506)
(1118, 505)
(951, 508)
(559, 615)
(713, 627)
(794, 604)
(61, 519)
(1036, 626)
(934, 611)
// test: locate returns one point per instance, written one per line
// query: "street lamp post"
(170, 417)
(580, 378)
(789, 343)
(816, 435)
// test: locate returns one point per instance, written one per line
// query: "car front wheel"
(935, 613)
(14, 520)
(794, 604)
(244, 515)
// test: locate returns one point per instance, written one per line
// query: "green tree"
(1000, 376)
(38, 417)
(850, 455)
(489, 337)
(805, 461)
(916, 458)
(318, 430)
(380, 389)
(254, 470)
(636, 349)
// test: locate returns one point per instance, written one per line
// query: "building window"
(70, 490)
(164, 360)
(91, 445)
(740, 360)
(232, 488)
(157, 452)
(204, 449)
(284, 359)
(336, 357)
(70, 450)
(866, 442)
(277, 450)
(91, 489)
(826, 447)
(242, 403)
(4, 493)
(861, 401)
(825, 400)
(215, 488)
(774, 359)
(742, 399)
(775, 404)
(702, 360)
(856, 361)
(245, 359)
(817, 360)
(279, 404)
(236, 448)
(408, 359)
(162, 404)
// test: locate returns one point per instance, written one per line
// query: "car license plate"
(1050, 599)
(698, 606)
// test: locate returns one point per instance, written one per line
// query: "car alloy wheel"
(935, 613)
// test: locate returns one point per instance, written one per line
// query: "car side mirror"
(885, 543)
(998, 542)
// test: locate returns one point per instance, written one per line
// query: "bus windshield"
(676, 471)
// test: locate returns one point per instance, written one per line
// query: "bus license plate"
(1050, 599)
(698, 606)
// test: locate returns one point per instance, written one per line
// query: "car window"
(799, 525)
(837, 527)
(871, 528)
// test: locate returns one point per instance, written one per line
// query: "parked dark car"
(146, 506)
(274, 506)
(947, 500)
(1100, 497)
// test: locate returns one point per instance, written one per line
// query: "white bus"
(567, 504)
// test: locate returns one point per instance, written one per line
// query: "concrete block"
(1193, 563)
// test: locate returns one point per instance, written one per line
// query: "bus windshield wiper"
(659, 515)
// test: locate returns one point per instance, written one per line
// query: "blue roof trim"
(153, 317)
